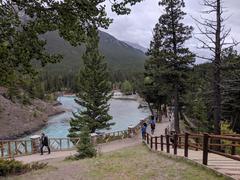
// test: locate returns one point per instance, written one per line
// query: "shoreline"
(18, 120)
(39, 122)
(33, 130)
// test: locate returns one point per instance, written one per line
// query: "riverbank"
(17, 120)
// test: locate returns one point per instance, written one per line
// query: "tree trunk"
(151, 109)
(217, 74)
(176, 93)
(159, 114)
(176, 110)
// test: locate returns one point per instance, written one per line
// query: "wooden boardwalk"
(216, 162)
(189, 147)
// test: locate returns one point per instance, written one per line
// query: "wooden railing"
(224, 145)
(15, 148)
(11, 149)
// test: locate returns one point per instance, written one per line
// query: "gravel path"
(103, 148)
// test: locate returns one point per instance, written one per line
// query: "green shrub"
(226, 129)
(37, 165)
(85, 147)
(8, 167)
(13, 167)
(26, 99)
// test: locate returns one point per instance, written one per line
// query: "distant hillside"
(137, 46)
(119, 55)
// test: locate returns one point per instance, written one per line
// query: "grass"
(135, 163)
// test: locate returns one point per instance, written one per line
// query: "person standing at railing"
(144, 130)
(44, 142)
(152, 124)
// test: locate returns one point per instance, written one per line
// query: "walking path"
(102, 148)
(216, 162)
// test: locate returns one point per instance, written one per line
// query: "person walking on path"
(152, 124)
(144, 130)
(44, 142)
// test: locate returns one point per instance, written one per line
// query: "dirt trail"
(103, 148)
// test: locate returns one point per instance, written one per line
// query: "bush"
(8, 167)
(226, 129)
(85, 147)
(13, 167)
(26, 99)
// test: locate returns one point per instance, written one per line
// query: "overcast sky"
(137, 27)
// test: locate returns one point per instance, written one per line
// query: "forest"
(207, 95)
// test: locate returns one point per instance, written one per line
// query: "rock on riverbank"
(17, 119)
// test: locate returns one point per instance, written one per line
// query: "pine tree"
(231, 88)
(85, 148)
(127, 87)
(19, 43)
(95, 90)
(170, 37)
(155, 90)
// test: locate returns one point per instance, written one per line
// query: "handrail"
(205, 142)
(13, 148)
(225, 138)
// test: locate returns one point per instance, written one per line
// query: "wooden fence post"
(197, 142)
(147, 138)
(16, 148)
(26, 150)
(156, 143)
(186, 144)
(151, 142)
(166, 131)
(9, 149)
(233, 150)
(161, 142)
(180, 142)
(175, 142)
(2, 149)
(167, 143)
(205, 148)
(68, 143)
(60, 143)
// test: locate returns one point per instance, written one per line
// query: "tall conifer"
(170, 37)
(95, 90)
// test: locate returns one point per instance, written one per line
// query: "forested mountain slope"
(119, 55)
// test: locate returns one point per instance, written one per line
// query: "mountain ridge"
(137, 46)
(119, 55)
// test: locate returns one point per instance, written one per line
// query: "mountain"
(137, 46)
(119, 55)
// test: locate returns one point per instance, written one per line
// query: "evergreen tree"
(19, 44)
(231, 88)
(156, 90)
(171, 35)
(95, 90)
(126, 87)
(22, 23)
(196, 99)
(85, 148)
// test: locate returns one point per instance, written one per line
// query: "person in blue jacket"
(144, 130)
(152, 124)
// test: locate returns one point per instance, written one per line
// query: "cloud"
(137, 27)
